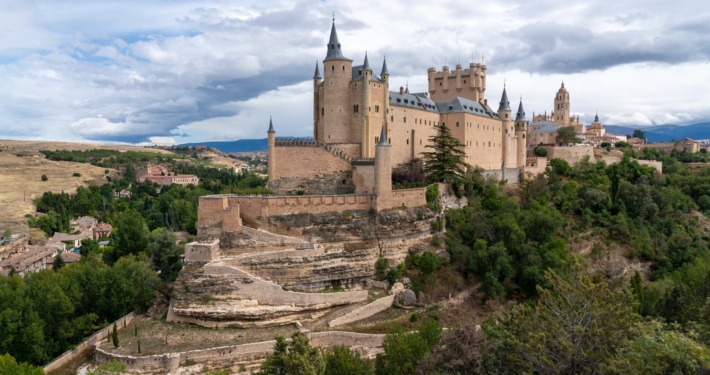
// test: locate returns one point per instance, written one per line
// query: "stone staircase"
(295, 142)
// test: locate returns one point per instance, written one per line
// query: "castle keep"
(354, 110)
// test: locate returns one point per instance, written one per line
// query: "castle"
(354, 111)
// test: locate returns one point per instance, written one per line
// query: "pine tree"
(115, 336)
(58, 262)
(446, 162)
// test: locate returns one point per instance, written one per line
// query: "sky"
(179, 71)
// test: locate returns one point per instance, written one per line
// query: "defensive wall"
(535, 165)
(572, 154)
(245, 353)
(307, 159)
(512, 175)
(87, 344)
(363, 312)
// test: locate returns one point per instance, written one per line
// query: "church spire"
(596, 117)
(334, 51)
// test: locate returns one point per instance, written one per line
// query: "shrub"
(432, 197)
(44, 177)
(605, 144)
(106, 171)
(207, 298)
(392, 275)
(540, 151)
(414, 317)
(621, 144)
(436, 241)
(300, 192)
(76, 174)
(703, 150)
(381, 267)
(560, 166)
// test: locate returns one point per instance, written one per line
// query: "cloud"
(135, 71)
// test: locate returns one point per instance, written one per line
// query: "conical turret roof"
(366, 64)
(504, 103)
(317, 75)
(271, 126)
(334, 51)
(383, 138)
(384, 67)
(520, 116)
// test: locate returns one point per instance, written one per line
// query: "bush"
(703, 150)
(436, 241)
(44, 177)
(622, 144)
(560, 166)
(540, 151)
(76, 174)
(381, 267)
(300, 192)
(605, 144)
(432, 197)
(106, 171)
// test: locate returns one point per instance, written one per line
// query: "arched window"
(332, 68)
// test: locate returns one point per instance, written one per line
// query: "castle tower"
(521, 130)
(597, 127)
(271, 151)
(504, 113)
(367, 142)
(316, 102)
(383, 173)
(561, 113)
(385, 77)
(337, 74)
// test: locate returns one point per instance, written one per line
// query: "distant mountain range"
(665, 133)
(242, 145)
(658, 133)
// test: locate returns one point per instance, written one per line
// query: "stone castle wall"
(572, 154)
(363, 312)
(340, 182)
(201, 252)
(86, 345)
(415, 197)
(512, 175)
(306, 161)
(245, 353)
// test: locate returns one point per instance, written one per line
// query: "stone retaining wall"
(409, 197)
(255, 352)
(363, 312)
(86, 345)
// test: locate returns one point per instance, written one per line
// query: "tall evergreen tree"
(114, 336)
(58, 262)
(446, 162)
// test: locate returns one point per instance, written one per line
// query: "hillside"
(241, 145)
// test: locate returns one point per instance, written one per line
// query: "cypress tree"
(115, 336)
(58, 262)
(139, 346)
(446, 162)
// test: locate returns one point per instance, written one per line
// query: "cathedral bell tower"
(561, 113)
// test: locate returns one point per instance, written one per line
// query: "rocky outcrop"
(220, 295)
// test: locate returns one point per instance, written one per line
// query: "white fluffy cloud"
(173, 71)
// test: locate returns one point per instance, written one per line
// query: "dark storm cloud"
(547, 47)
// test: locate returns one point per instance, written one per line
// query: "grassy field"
(20, 176)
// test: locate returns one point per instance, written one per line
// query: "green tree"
(165, 254)
(7, 233)
(58, 262)
(8, 366)
(130, 235)
(342, 360)
(566, 135)
(659, 350)
(540, 151)
(404, 350)
(295, 357)
(637, 291)
(89, 246)
(573, 328)
(639, 134)
(44, 177)
(114, 336)
(446, 162)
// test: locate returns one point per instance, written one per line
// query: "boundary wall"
(363, 312)
(512, 175)
(415, 197)
(86, 345)
(235, 353)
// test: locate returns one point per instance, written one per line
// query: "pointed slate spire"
(406, 91)
(317, 75)
(596, 117)
(520, 116)
(384, 67)
(383, 138)
(366, 64)
(334, 51)
(271, 126)
(504, 103)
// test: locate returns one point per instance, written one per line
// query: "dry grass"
(20, 177)
(154, 333)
